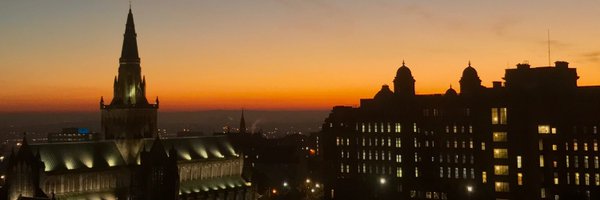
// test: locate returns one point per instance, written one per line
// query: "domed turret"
(451, 92)
(404, 83)
(469, 82)
(384, 93)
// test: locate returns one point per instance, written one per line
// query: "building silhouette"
(533, 136)
(131, 162)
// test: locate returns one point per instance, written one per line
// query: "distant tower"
(129, 115)
(470, 82)
(242, 123)
(404, 83)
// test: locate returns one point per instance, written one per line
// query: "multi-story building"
(535, 136)
(128, 163)
(73, 135)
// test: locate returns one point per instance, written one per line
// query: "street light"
(307, 180)
(285, 184)
(469, 191)
(382, 181)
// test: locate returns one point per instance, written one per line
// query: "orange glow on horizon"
(278, 55)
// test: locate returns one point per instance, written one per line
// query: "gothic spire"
(242, 123)
(129, 52)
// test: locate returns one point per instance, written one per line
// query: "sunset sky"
(62, 55)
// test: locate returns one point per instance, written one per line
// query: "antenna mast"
(549, 60)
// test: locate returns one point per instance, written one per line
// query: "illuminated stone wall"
(129, 122)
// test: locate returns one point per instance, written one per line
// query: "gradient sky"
(62, 55)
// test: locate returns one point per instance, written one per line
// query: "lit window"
(585, 162)
(519, 165)
(596, 163)
(576, 178)
(484, 177)
(595, 145)
(502, 115)
(575, 145)
(441, 172)
(399, 172)
(544, 129)
(597, 179)
(499, 137)
(456, 175)
(554, 147)
(587, 179)
(471, 143)
(500, 153)
(541, 145)
(519, 178)
(495, 118)
(389, 128)
(567, 161)
(543, 193)
(483, 146)
(502, 187)
(375, 128)
(398, 129)
(501, 169)
(541, 160)
(362, 125)
(415, 127)
(398, 158)
(416, 172)
(398, 143)
(555, 178)
(576, 163)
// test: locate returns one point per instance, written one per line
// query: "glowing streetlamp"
(382, 181)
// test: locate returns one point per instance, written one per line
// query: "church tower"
(129, 115)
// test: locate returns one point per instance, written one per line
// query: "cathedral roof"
(79, 155)
(197, 148)
(105, 154)
(203, 185)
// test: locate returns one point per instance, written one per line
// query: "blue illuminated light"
(84, 131)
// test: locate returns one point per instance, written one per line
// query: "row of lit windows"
(379, 127)
(585, 146)
(448, 172)
(428, 195)
(381, 142)
(454, 129)
(577, 179)
(339, 141)
(576, 161)
(463, 144)
(374, 155)
(456, 159)
(377, 169)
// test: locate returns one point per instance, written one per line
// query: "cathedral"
(132, 162)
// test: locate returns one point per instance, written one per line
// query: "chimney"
(561, 64)
(497, 84)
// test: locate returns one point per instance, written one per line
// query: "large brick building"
(533, 136)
